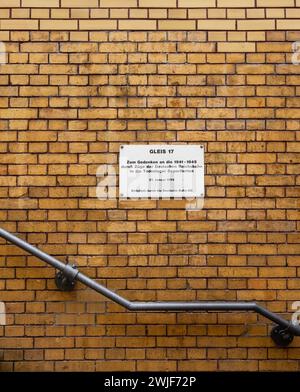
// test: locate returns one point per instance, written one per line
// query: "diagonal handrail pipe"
(284, 327)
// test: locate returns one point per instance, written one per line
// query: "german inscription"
(161, 171)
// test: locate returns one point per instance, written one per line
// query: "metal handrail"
(282, 334)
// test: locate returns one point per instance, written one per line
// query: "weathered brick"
(257, 249)
(236, 47)
(176, 24)
(13, 113)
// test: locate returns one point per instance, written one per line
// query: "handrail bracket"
(65, 280)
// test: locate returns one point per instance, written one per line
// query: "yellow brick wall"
(81, 78)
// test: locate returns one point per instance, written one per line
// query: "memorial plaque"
(161, 171)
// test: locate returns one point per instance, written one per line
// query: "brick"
(236, 47)
(176, 24)
(58, 69)
(256, 24)
(135, 24)
(196, 47)
(74, 91)
(275, 91)
(10, 3)
(178, 249)
(78, 3)
(288, 249)
(38, 91)
(137, 113)
(217, 113)
(271, 180)
(157, 47)
(96, 113)
(275, 3)
(116, 226)
(71, 319)
(52, 342)
(257, 249)
(18, 113)
(215, 69)
(292, 13)
(196, 4)
(275, 365)
(254, 69)
(97, 249)
(116, 3)
(176, 113)
(273, 47)
(19, 24)
(57, 204)
(18, 204)
(232, 3)
(38, 4)
(235, 90)
(287, 113)
(58, 24)
(135, 342)
(137, 249)
(156, 3)
(36, 47)
(233, 365)
(17, 295)
(16, 69)
(57, 113)
(216, 24)
(16, 343)
(163, 366)
(74, 47)
(277, 272)
(100, 24)
(177, 68)
(77, 226)
(258, 113)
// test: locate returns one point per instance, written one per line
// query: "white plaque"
(161, 171)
